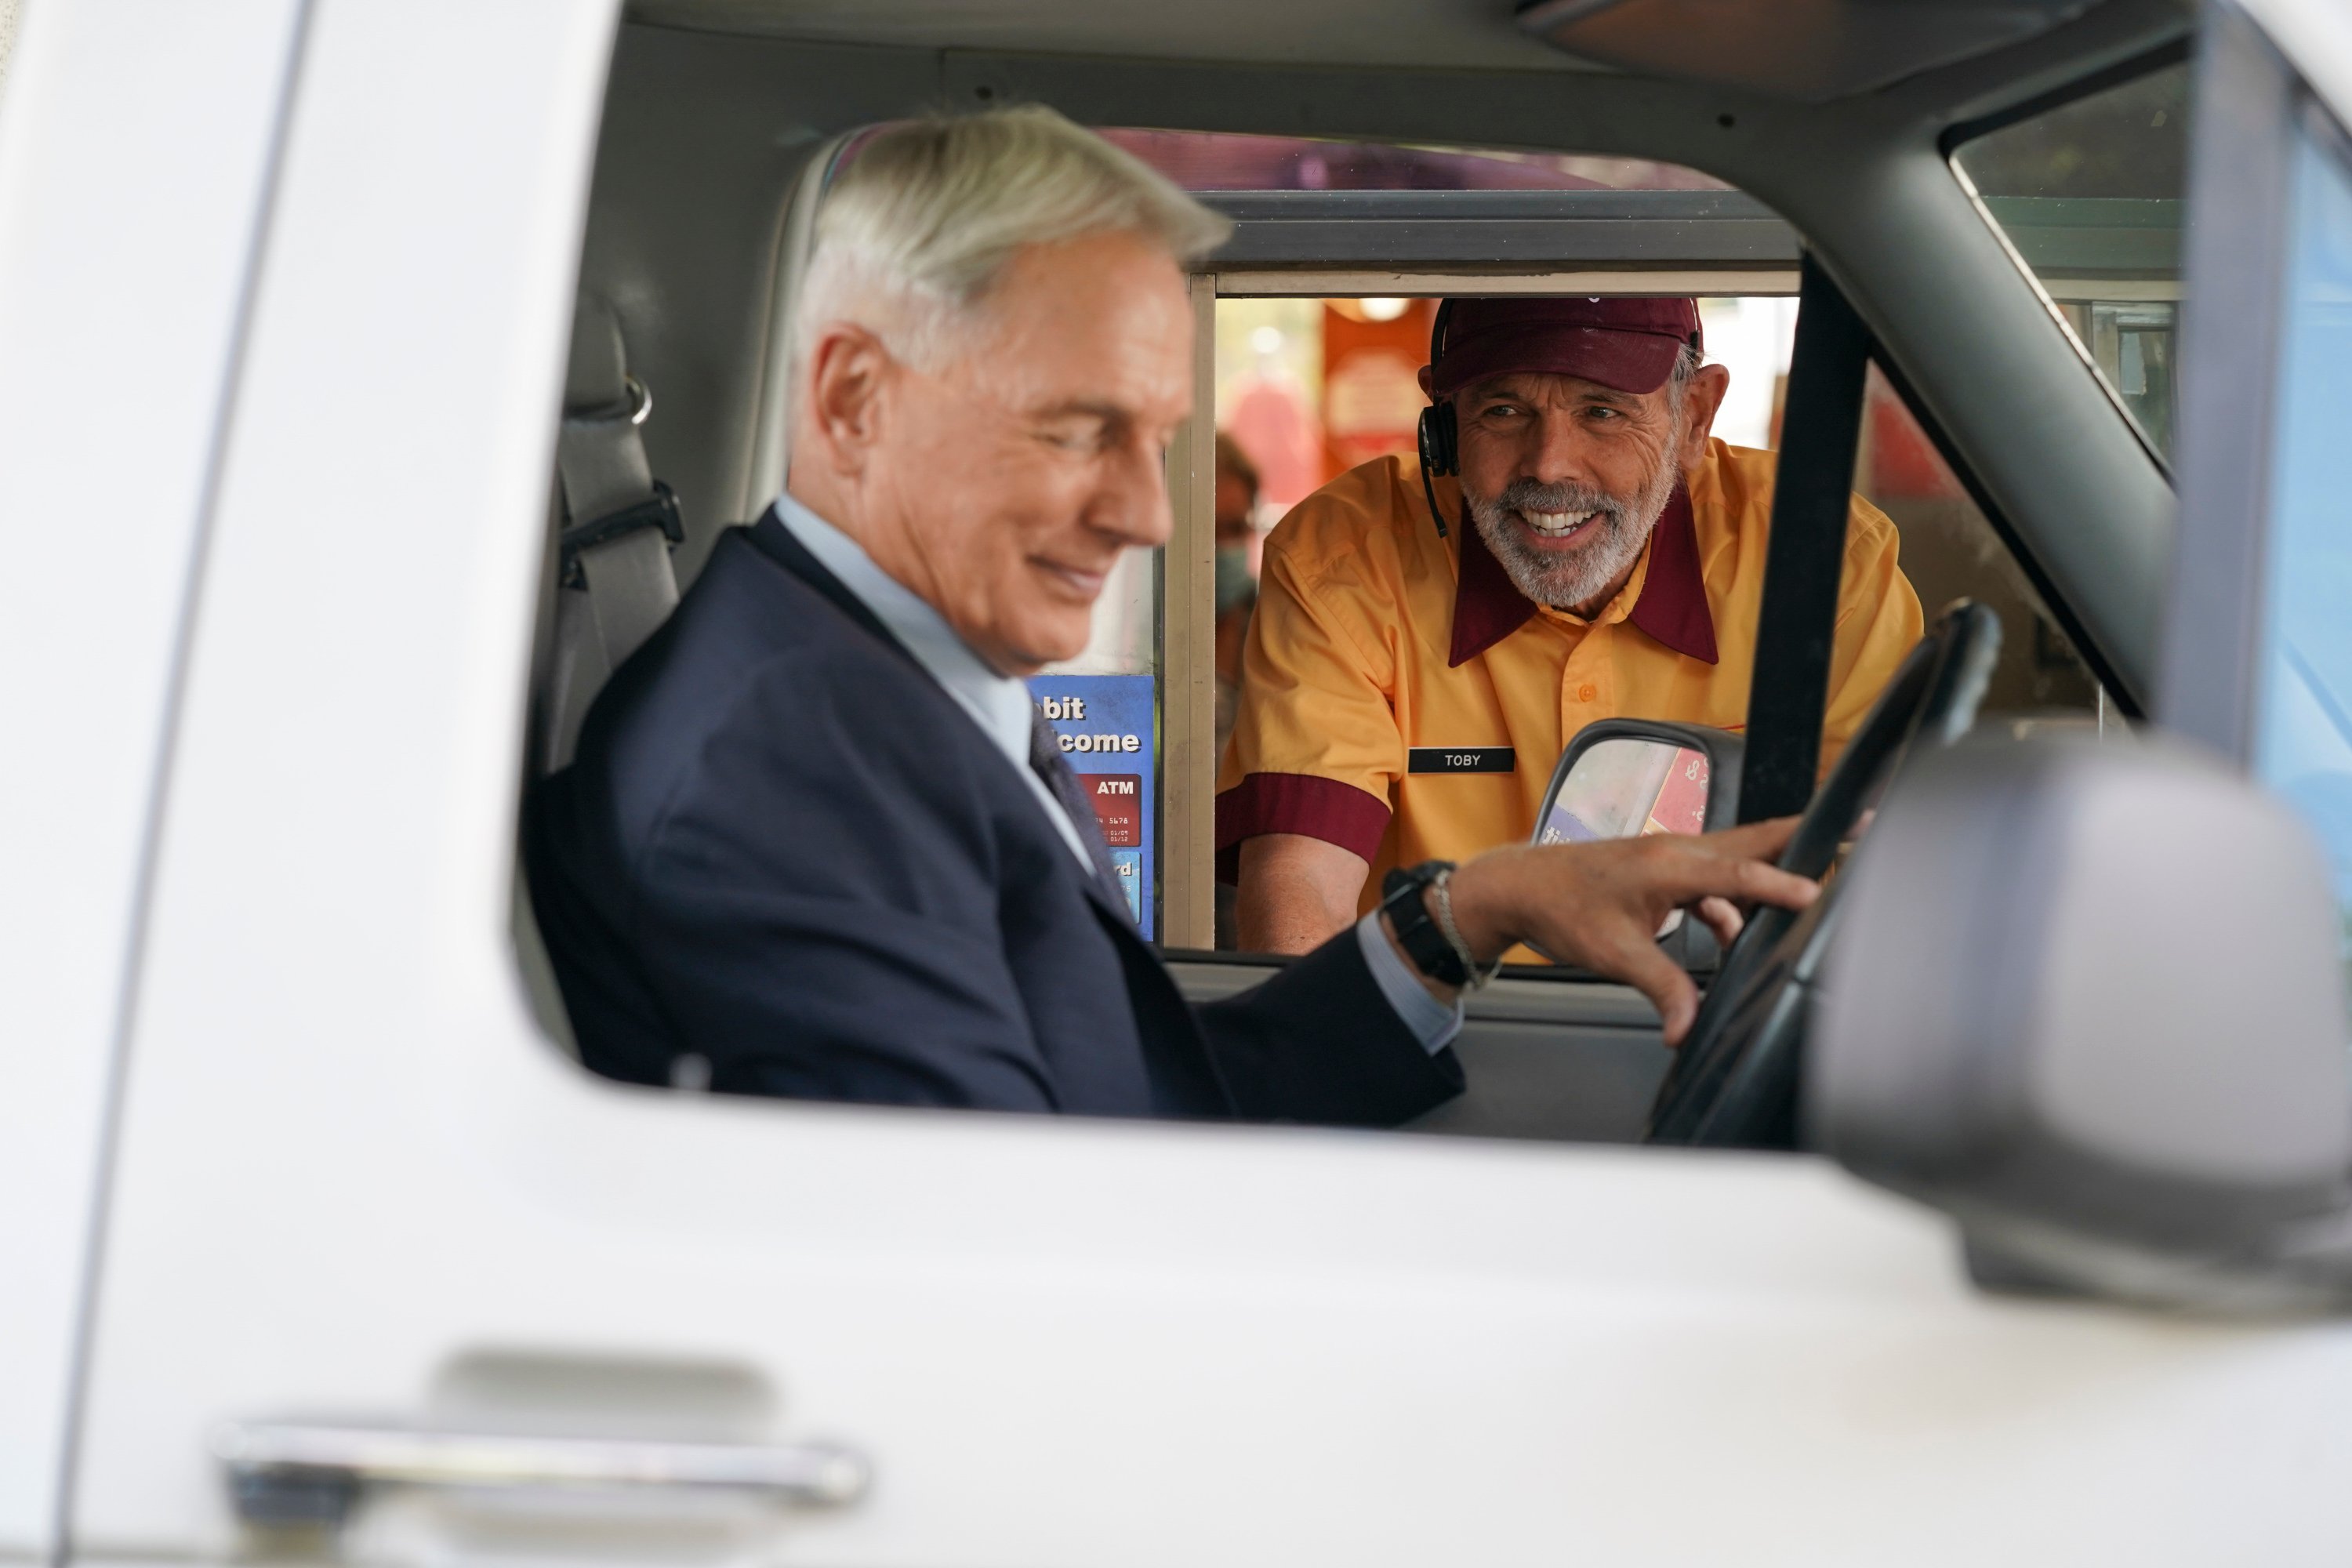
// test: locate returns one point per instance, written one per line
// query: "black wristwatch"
(1404, 898)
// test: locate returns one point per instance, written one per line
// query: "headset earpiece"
(1439, 440)
(1440, 435)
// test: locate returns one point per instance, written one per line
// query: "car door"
(117, 366)
(386, 1278)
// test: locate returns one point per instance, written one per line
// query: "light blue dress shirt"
(1001, 706)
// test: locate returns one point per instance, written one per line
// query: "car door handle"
(291, 1472)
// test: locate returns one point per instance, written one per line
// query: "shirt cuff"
(1433, 1022)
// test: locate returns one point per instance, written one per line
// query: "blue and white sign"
(1108, 725)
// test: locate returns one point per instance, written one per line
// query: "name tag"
(1461, 759)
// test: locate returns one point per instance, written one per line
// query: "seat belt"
(615, 585)
(1796, 625)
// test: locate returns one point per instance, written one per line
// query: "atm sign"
(1118, 807)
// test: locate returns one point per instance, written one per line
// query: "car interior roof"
(1439, 33)
(715, 107)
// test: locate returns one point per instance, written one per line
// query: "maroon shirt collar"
(1488, 607)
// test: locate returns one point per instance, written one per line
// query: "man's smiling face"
(1012, 480)
(1566, 477)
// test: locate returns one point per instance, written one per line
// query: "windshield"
(2088, 195)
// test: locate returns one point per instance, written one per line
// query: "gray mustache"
(1531, 495)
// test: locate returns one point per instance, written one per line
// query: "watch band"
(1404, 898)
(1440, 900)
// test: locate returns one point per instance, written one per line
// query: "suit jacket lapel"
(1184, 1052)
(1112, 902)
(775, 541)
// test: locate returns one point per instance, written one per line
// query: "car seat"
(606, 586)
(615, 525)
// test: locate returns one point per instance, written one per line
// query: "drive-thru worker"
(1409, 682)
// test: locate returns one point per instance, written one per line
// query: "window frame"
(1188, 880)
(1408, 244)
(1958, 135)
(2241, 164)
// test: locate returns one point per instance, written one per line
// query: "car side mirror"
(2090, 1001)
(1622, 778)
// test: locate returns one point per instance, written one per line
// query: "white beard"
(1578, 579)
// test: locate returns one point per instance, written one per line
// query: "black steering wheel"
(1734, 1080)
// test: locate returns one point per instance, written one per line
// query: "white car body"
(284, 293)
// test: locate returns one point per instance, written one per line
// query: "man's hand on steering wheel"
(1599, 905)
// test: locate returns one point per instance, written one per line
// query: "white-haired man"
(812, 836)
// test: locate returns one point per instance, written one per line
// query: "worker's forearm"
(1287, 917)
(1297, 892)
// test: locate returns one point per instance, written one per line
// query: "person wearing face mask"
(1236, 502)
(1410, 679)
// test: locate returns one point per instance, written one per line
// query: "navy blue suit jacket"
(783, 847)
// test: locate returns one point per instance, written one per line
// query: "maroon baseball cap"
(1624, 342)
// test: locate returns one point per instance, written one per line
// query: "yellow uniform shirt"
(1375, 637)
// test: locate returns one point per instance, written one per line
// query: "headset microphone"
(1440, 435)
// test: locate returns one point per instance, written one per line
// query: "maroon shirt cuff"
(1323, 808)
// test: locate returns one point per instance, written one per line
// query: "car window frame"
(2241, 178)
(1961, 134)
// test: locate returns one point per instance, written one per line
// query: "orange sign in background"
(1372, 354)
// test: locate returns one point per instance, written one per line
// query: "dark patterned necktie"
(1062, 782)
